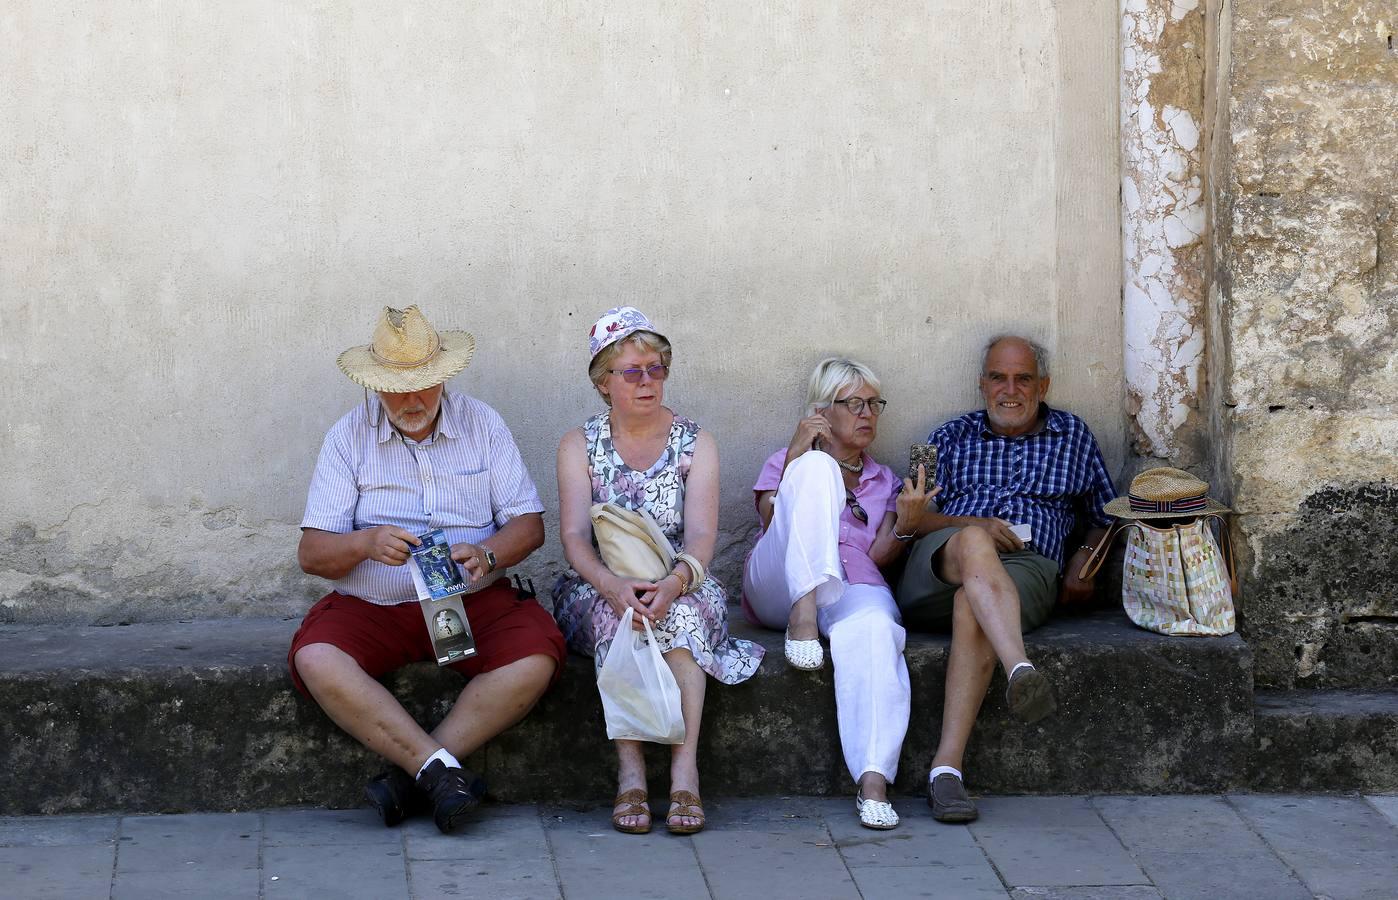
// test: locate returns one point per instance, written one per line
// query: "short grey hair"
(1041, 356)
(832, 375)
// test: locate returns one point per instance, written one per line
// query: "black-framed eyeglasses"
(656, 372)
(856, 405)
(855, 508)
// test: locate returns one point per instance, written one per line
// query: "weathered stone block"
(181, 716)
(1319, 607)
(1296, 40)
(1326, 741)
(1314, 309)
(1140, 713)
(1292, 135)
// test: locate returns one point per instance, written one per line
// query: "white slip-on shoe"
(807, 655)
(876, 814)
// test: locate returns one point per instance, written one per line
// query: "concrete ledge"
(202, 716)
(1326, 741)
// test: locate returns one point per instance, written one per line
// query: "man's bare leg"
(492, 702)
(971, 663)
(362, 707)
(985, 626)
(684, 758)
(368, 712)
(970, 559)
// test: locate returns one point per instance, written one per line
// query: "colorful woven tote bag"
(1176, 580)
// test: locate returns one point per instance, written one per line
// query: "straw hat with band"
(407, 354)
(1165, 493)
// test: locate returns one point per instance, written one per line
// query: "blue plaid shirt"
(1047, 479)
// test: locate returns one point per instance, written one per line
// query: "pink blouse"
(877, 493)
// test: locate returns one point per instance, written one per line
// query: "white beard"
(412, 422)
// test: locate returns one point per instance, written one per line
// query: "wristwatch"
(489, 560)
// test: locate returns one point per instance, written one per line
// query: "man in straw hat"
(1018, 478)
(413, 458)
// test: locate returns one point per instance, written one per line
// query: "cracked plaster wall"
(1306, 276)
(202, 204)
(1163, 218)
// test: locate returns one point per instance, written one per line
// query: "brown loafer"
(949, 801)
(631, 803)
(1029, 695)
(683, 804)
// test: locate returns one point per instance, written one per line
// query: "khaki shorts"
(926, 601)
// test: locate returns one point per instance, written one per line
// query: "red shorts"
(384, 638)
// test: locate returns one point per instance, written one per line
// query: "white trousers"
(800, 553)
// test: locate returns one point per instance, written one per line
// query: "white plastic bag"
(640, 696)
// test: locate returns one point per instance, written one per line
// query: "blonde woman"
(831, 516)
(639, 454)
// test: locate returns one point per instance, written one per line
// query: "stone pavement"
(1237, 846)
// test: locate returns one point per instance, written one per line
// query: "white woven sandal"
(876, 814)
(806, 655)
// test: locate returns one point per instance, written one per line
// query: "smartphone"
(816, 444)
(924, 455)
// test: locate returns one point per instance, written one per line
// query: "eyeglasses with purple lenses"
(656, 372)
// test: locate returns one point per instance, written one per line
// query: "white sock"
(451, 762)
(944, 770)
(1023, 665)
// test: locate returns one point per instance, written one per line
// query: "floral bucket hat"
(616, 324)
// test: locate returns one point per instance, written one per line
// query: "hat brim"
(359, 365)
(1121, 508)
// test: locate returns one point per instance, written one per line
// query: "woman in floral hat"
(641, 455)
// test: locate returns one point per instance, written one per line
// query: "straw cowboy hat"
(1164, 493)
(407, 354)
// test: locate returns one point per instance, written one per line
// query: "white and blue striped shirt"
(467, 479)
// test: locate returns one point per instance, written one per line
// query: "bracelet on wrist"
(903, 537)
(696, 570)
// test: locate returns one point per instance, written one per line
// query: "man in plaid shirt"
(1017, 480)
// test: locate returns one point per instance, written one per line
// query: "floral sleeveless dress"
(698, 621)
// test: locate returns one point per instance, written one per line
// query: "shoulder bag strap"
(1099, 554)
(1225, 546)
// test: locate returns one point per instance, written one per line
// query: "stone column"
(1162, 213)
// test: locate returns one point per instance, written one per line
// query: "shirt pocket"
(465, 500)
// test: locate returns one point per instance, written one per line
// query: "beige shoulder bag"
(631, 542)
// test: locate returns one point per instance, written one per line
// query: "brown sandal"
(633, 803)
(683, 804)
